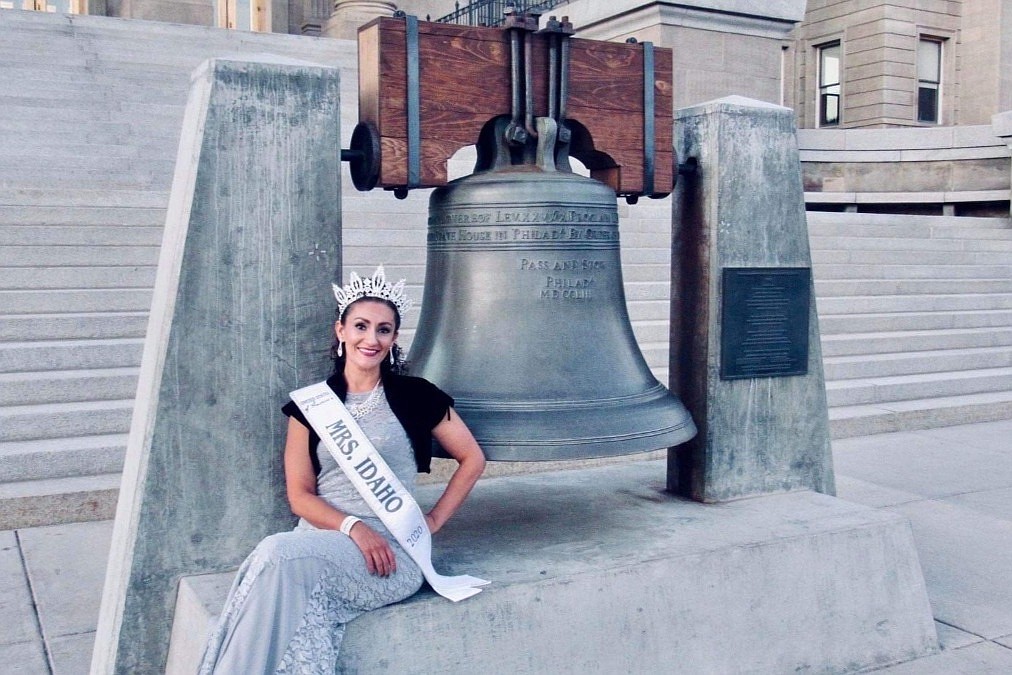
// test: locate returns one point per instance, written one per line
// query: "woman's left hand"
(431, 522)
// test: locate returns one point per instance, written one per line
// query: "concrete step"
(52, 301)
(887, 220)
(899, 321)
(97, 112)
(175, 57)
(886, 390)
(647, 290)
(654, 352)
(19, 357)
(870, 304)
(637, 272)
(86, 199)
(864, 420)
(909, 244)
(31, 83)
(937, 286)
(59, 458)
(933, 361)
(656, 332)
(45, 72)
(26, 53)
(29, 161)
(63, 124)
(63, 386)
(649, 310)
(38, 278)
(652, 255)
(902, 257)
(913, 341)
(58, 500)
(833, 271)
(76, 256)
(60, 420)
(25, 147)
(53, 139)
(73, 325)
(113, 229)
(57, 99)
(92, 180)
(918, 230)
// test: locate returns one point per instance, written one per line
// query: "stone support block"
(241, 316)
(602, 571)
(744, 208)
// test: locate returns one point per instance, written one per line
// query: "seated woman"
(295, 592)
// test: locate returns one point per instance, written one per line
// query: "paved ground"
(954, 484)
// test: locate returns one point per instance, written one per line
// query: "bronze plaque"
(764, 322)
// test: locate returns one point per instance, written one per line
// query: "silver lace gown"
(293, 595)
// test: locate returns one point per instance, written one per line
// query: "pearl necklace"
(360, 410)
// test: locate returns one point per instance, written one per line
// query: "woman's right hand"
(379, 557)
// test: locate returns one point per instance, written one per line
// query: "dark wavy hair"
(398, 367)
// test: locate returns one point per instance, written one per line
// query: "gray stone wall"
(986, 60)
(932, 166)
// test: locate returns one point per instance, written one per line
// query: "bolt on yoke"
(525, 95)
(521, 132)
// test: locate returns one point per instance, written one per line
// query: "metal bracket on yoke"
(649, 139)
(558, 84)
(414, 106)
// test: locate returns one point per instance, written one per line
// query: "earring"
(393, 359)
(340, 348)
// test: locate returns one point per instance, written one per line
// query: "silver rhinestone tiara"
(375, 286)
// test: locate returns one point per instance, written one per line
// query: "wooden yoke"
(464, 82)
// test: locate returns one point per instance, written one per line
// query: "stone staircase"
(916, 311)
(90, 115)
(916, 319)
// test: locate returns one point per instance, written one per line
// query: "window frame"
(824, 90)
(936, 85)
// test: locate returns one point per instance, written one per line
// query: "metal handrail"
(491, 12)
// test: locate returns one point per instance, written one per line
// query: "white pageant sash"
(378, 485)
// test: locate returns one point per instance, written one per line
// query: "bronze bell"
(524, 320)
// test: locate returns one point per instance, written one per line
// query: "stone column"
(242, 315)
(1002, 125)
(349, 15)
(744, 211)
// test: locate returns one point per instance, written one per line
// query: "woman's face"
(368, 332)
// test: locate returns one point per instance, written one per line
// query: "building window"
(929, 80)
(829, 85)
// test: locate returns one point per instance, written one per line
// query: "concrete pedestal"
(242, 315)
(601, 571)
(744, 208)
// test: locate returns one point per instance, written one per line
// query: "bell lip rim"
(655, 394)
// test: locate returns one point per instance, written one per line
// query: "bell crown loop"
(375, 286)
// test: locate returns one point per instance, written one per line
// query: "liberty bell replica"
(523, 318)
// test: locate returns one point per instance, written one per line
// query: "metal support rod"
(414, 104)
(529, 87)
(515, 74)
(553, 74)
(563, 77)
(649, 144)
